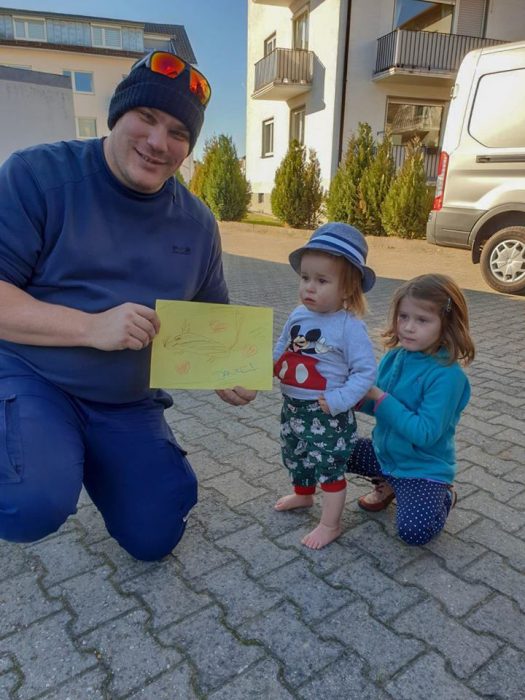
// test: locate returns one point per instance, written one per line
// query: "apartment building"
(95, 52)
(316, 68)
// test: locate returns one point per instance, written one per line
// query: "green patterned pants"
(315, 446)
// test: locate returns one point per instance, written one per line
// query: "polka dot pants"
(422, 505)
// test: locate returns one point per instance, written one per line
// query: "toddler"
(325, 362)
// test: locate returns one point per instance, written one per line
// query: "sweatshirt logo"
(297, 365)
(180, 250)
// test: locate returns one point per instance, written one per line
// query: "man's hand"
(125, 327)
(238, 396)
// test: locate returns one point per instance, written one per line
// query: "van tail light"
(440, 182)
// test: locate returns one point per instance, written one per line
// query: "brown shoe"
(453, 497)
(382, 498)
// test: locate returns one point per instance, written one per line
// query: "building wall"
(322, 102)
(323, 114)
(108, 69)
(365, 99)
(40, 109)
(107, 72)
(506, 20)
(263, 20)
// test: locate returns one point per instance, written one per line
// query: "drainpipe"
(345, 75)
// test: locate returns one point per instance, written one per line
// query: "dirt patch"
(394, 258)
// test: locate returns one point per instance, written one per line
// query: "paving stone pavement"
(242, 610)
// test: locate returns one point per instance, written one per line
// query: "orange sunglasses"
(173, 66)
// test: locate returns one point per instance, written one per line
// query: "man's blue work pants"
(126, 456)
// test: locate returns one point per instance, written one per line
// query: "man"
(91, 234)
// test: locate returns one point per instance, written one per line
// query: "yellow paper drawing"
(212, 346)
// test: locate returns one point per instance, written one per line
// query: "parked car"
(480, 190)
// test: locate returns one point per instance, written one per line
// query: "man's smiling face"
(145, 148)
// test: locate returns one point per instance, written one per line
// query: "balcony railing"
(284, 72)
(430, 160)
(426, 51)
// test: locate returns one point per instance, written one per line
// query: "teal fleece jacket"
(416, 421)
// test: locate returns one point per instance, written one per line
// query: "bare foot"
(321, 536)
(294, 501)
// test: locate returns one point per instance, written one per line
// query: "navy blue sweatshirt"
(72, 234)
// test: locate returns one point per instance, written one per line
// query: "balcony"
(283, 74)
(428, 58)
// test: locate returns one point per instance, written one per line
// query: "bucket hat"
(339, 239)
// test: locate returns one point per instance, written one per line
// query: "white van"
(480, 191)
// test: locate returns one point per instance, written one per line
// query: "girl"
(420, 394)
(325, 362)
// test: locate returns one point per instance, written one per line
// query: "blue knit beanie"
(144, 88)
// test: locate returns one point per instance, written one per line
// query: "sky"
(217, 33)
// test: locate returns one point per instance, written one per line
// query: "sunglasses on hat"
(173, 66)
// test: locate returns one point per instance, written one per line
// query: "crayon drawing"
(212, 346)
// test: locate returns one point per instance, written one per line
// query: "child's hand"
(374, 393)
(324, 405)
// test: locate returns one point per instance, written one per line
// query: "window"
(108, 37)
(153, 43)
(81, 82)
(406, 120)
(300, 31)
(267, 138)
(86, 127)
(269, 44)
(472, 18)
(30, 29)
(297, 124)
(499, 94)
(424, 16)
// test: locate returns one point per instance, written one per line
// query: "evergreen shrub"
(374, 186)
(223, 186)
(343, 199)
(406, 207)
(297, 195)
(197, 179)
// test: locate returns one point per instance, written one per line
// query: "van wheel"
(503, 260)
